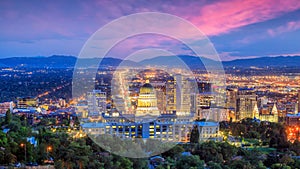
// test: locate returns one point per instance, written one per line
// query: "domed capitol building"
(149, 122)
(147, 102)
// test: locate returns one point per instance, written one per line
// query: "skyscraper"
(96, 103)
(170, 95)
(246, 102)
(231, 98)
(161, 99)
(183, 94)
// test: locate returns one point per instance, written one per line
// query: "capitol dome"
(147, 101)
(146, 89)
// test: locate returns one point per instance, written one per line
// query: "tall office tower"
(179, 85)
(96, 103)
(246, 101)
(231, 98)
(187, 89)
(161, 99)
(183, 94)
(170, 95)
(194, 105)
(204, 102)
(194, 91)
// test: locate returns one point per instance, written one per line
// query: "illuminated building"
(203, 101)
(26, 102)
(183, 94)
(194, 103)
(281, 112)
(147, 102)
(171, 95)
(5, 106)
(96, 103)
(207, 130)
(246, 101)
(214, 114)
(293, 129)
(62, 102)
(206, 99)
(44, 106)
(231, 99)
(268, 112)
(206, 107)
(81, 109)
(161, 99)
(148, 122)
(292, 119)
(173, 130)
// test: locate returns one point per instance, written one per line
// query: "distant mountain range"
(57, 61)
(181, 61)
(279, 61)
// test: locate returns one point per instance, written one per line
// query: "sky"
(237, 28)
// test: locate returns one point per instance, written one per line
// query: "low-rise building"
(164, 129)
(292, 119)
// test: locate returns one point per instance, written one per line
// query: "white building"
(171, 130)
(96, 103)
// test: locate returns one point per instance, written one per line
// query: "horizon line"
(245, 57)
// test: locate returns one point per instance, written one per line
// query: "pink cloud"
(225, 16)
(80, 19)
(77, 18)
(290, 26)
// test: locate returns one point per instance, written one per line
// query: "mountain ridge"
(62, 61)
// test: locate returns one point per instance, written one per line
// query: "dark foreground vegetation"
(58, 148)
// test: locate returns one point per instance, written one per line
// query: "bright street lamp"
(24, 145)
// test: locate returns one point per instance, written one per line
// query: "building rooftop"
(206, 123)
(93, 125)
(293, 115)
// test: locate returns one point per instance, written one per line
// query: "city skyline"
(149, 84)
(240, 29)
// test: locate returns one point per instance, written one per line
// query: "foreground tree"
(189, 162)
(8, 117)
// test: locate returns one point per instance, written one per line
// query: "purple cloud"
(43, 22)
